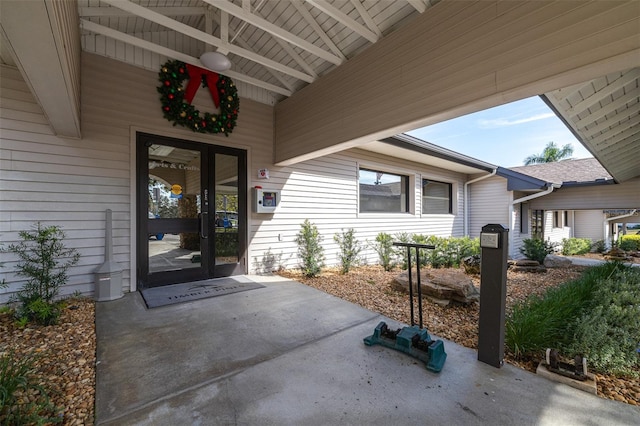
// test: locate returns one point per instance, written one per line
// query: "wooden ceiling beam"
(161, 50)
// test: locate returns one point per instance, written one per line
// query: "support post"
(494, 243)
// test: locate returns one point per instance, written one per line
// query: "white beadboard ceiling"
(278, 47)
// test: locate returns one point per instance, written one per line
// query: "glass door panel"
(226, 216)
(192, 200)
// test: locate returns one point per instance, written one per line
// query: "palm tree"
(550, 154)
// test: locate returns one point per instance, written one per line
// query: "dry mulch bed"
(370, 287)
(65, 358)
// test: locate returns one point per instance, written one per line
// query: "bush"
(608, 333)
(573, 246)
(448, 252)
(310, 249)
(386, 253)
(599, 246)
(349, 249)
(536, 249)
(541, 322)
(629, 242)
(16, 380)
(44, 261)
(595, 315)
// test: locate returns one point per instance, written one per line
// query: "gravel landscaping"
(65, 358)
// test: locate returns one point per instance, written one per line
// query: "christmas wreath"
(176, 100)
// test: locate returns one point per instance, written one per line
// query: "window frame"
(537, 223)
(406, 184)
(524, 218)
(423, 197)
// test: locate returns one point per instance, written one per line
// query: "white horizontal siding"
(57, 181)
(589, 224)
(625, 195)
(71, 183)
(488, 203)
(325, 191)
(552, 233)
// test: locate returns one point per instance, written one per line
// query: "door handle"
(204, 225)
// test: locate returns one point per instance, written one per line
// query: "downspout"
(607, 222)
(466, 199)
(548, 191)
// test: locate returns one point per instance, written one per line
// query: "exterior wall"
(71, 182)
(553, 233)
(325, 191)
(488, 203)
(589, 224)
(625, 195)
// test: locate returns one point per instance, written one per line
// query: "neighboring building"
(571, 198)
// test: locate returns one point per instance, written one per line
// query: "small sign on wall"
(263, 174)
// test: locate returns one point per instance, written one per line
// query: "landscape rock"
(443, 286)
(471, 264)
(553, 261)
(616, 254)
(526, 265)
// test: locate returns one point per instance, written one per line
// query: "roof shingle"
(579, 171)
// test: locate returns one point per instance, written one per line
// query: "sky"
(504, 135)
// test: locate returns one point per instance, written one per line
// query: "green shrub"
(227, 242)
(310, 249)
(629, 242)
(599, 246)
(16, 379)
(541, 322)
(349, 249)
(44, 261)
(573, 246)
(595, 315)
(384, 247)
(608, 333)
(536, 249)
(449, 252)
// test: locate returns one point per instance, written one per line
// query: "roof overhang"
(517, 181)
(50, 66)
(604, 115)
(412, 149)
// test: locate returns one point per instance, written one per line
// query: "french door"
(191, 211)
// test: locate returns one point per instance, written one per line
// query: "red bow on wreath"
(196, 76)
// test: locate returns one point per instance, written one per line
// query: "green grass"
(596, 315)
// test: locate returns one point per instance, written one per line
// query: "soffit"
(428, 154)
(604, 114)
(276, 47)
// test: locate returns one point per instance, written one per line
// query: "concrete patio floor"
(288, 354)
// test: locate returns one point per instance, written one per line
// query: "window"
(565, 218)
(382, 192)
(524, 218)
(436, 197)
(537, 222)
